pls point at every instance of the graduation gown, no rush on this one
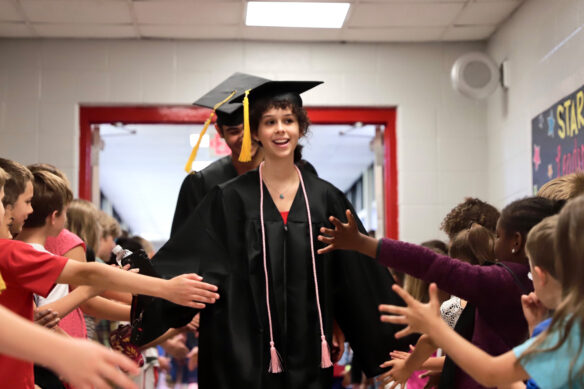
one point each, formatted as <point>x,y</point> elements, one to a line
<point>222,242</point>
<point>196,185</point>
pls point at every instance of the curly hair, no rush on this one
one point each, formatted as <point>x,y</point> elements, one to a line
<point>262,105</point>
<point>471,210</point>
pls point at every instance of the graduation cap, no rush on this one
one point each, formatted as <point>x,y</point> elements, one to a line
<point>218,100</point>
<point>274,91</point>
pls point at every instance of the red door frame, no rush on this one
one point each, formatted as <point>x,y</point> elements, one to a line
<point>89,115</point>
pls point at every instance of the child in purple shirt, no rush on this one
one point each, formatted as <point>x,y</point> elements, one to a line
<point>495,290</point>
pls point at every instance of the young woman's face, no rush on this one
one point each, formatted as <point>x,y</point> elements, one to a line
<point>278,131</point>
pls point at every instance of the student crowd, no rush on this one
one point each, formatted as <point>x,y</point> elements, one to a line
<point>274,266</point>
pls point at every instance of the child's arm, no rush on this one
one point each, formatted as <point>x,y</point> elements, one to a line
<point>80,362</point>
<point>186,289</point>
<point>425,318</point>
<point>402,367</point>
<point>103,308</point>
<point>66,304</point>
<point>346,236</point>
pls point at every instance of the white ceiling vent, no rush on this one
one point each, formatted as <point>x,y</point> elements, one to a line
<point>475,75</point>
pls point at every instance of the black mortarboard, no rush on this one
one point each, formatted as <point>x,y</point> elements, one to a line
<point>218,99</point>
<point>272,90</point>
<point>234,118</point>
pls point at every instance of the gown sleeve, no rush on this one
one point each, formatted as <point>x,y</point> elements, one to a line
<point>197,247</point>
<point>361,285</point>
<point>189,197</point>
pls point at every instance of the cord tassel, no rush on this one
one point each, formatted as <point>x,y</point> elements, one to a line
<point>275,362</point>
<point>325,356</point>
<point>189,165</point>
<point>245,154</point>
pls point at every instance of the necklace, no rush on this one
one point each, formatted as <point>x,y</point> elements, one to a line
<point>281,194</point>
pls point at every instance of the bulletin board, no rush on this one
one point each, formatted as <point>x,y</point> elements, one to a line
<point>558,139</point>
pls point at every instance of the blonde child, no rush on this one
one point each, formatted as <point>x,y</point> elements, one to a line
<point>554,358</point>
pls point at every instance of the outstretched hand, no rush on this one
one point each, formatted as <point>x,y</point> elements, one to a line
<point>345,236</point>
<point>418,317</point>
<point>398,375</point>
<point>86,364</point>
<point>189,290</point>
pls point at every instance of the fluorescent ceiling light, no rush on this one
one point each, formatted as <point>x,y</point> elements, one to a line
<point>193,138</point>
<point>295,14</point>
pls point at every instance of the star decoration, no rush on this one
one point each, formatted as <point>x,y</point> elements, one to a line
<point>550,173</point>
<point>551,125</point>
<point>536,157</point>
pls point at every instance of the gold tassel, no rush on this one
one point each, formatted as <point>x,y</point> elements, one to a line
<point>2,284</point>
<point>245,154</point>
<point>189,165</point>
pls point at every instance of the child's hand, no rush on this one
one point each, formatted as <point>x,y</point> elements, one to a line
<point>46,317</point>
<point>396,354</point>
<point>190,291</point>
<point>418,317</point>
<point>193,359</point>
<point>533,310</point>
<point>399,373</point>
<point>85,364</point>
<point>345,236</point>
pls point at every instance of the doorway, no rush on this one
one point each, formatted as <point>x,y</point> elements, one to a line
<point>353,123</point>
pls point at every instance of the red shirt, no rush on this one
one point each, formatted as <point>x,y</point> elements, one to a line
<point>25,271</point>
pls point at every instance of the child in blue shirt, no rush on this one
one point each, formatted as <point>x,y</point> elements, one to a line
<point>553,358</point>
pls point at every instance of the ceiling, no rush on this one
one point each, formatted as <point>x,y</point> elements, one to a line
<point>367,21</point>
<point>149,160</point>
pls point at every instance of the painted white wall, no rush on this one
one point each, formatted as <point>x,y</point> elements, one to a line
<point>441,135</point>
<point>544,44</point>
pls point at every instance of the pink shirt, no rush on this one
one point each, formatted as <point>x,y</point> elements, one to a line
<point>74,323</point>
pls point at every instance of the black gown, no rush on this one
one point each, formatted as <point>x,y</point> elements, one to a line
<point>196,185</point>
<point>222,242</point>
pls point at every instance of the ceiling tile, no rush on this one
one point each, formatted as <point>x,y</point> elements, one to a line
<point>403,14</point>
<point>194,13</point>
<point>78,11</point>
<point>468,33</point>
<point>189,32</point>
<point>8,12</point>
<point>393,34</point>
<point>15,30</point>
<point>492,12</point>
<point>85,30</point>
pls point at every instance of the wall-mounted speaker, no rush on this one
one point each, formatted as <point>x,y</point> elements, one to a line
<point>475,75</point>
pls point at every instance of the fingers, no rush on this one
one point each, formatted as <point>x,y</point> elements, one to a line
<point>392,309</point>
<point>394,319</point>
<point>399,355</point>
<point>403,294</point>
<point>433,292</point>
<point>122,362</point>
<point>327,231</point>
<point>326,239</point>
<point>350,217</point>
<point>412,348</point>
<point>387,364</point>
<point>336,222</point>
<point>196,305</point>
<point>326,249</point>
<point>193,276</point>
<point>405,332</point>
